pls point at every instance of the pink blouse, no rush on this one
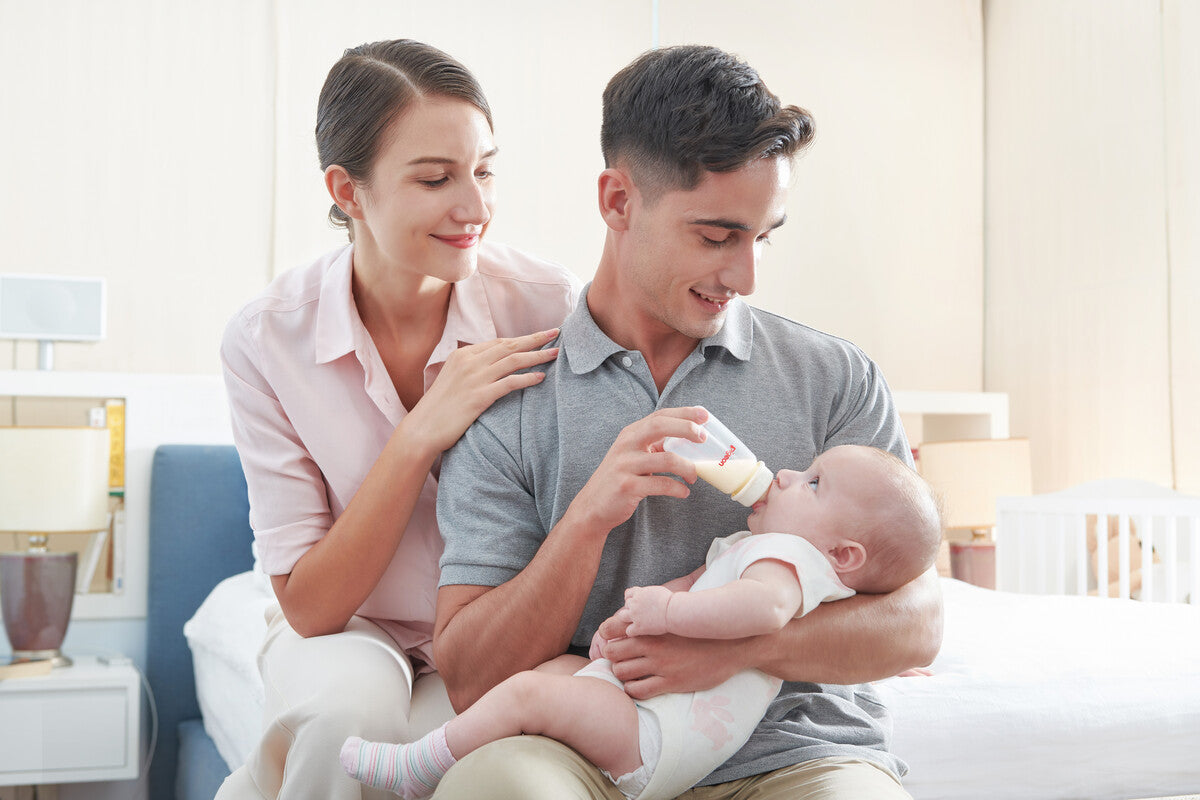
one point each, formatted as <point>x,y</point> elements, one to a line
<point>313,407</point>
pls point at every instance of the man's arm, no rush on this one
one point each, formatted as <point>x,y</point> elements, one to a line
<point>484,634</point>
<point>860,639</point>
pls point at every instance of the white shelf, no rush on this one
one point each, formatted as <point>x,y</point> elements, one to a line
<point>947,416</point>
<point>79,723</point>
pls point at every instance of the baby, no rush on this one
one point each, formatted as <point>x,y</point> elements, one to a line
<point>858,520</point>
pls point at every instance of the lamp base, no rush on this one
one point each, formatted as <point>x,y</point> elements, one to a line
<point>55,657</point>
<point>974,562</point>
<point>36,594</point>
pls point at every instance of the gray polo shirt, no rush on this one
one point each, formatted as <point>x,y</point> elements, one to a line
<point>788,391</point>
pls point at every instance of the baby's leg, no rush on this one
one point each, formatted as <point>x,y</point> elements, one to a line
<point>588,715</point>
<point>565,664</point>
<point>591,716</point>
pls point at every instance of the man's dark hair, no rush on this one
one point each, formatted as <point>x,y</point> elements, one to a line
<point>677,112</point>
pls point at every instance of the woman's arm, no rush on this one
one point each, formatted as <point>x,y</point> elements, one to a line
<point>346,560</point>
<point>337,574</point>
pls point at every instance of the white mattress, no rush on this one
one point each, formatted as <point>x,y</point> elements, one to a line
<point>1032,697</point>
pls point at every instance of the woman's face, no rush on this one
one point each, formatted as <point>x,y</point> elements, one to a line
<point>431,193</point>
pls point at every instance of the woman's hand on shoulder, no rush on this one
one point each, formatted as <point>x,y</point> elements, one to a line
<point>473,378</point>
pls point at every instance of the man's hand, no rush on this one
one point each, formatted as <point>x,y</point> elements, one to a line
<point>633,469</point>
<point>654,665</point>
<point>646,608</point>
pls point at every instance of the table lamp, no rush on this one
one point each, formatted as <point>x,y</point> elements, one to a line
<point>52,480</point>
<point>968,476</point>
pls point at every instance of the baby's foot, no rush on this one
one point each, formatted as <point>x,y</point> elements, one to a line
<point>409,770</point>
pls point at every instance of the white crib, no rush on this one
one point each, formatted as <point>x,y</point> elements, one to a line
<point>1042,542</point>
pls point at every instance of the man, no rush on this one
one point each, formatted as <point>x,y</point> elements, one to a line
<point>559,497</point>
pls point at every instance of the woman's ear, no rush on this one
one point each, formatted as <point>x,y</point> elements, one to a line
<point>614,190</point>
<point>847,555</point>
<point>343,190</point>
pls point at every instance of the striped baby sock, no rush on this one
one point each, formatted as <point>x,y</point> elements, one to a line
<point>410,770</point>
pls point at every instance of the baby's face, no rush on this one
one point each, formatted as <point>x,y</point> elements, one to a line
<point>815,503</point>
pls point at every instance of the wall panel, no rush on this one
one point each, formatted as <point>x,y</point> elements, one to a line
<point>1181,61</point>
<point>883,240</point>
<point>1077,292</point>
<point>138,146</point>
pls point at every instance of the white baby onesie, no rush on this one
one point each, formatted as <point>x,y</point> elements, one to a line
<point>685,736</point>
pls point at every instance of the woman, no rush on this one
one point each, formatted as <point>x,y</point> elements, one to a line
<point>347,379</point>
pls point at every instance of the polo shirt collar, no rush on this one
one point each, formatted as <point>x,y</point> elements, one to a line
<point>587,347</point>
<point>737,334</point>
<point>340,329</point>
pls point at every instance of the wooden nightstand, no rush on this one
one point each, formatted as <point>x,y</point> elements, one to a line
<point>79,723</point>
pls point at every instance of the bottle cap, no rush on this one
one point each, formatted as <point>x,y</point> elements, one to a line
<point>756,487</point>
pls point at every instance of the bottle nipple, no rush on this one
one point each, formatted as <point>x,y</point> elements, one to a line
<point>755,487</point>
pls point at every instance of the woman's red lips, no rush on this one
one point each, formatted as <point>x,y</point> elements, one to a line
<point>463,241</point>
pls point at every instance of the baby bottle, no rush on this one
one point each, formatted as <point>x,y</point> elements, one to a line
<point>722,460</point>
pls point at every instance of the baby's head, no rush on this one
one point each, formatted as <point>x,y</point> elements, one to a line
<point>871,515</point>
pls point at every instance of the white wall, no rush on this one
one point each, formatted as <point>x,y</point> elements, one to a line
<point>1181,96</point>
<point>175,156</point>
<point>1093,268</point>
<point>137,146</point>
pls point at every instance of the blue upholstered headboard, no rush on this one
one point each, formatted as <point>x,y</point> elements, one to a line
<point>199,535</point>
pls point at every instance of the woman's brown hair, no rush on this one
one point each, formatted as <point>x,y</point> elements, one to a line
<point>368,88</point>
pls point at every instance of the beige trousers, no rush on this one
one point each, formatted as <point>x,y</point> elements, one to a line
<point>536,768</point>
<point>321,690</point>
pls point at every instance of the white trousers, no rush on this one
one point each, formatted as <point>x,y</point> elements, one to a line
<point>319,691</point>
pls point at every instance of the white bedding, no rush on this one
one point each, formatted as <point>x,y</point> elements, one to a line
<point>1032,697</point>
<point>224,635</point>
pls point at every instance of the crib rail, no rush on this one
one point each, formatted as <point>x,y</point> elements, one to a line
<point>1042,542</point>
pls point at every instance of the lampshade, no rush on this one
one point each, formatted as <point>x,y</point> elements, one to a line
<point>969,476</point>
<point>53,479</point>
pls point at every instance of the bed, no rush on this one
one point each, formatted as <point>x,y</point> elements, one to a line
<point>1035,696</point>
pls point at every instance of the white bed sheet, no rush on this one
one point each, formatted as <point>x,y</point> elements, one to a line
<point>1032,697</point>
<point>1043,697</point>
<point>224,635</point>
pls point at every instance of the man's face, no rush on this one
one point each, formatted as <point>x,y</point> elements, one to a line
<point>692,251</point>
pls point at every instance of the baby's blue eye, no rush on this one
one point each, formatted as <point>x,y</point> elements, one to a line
<point>813,482</point>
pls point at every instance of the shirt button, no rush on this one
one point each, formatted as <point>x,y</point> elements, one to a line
<point>627,361</point>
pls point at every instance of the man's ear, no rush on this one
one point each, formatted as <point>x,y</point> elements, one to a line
<point>343,190</point>
<point>615,188</point>
<point>847,555</point>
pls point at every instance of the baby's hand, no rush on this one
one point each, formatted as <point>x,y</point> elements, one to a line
<point>647,607</point>
<point>597,648</point>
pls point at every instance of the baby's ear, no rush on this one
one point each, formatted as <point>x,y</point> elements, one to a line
<point>847,555</point>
